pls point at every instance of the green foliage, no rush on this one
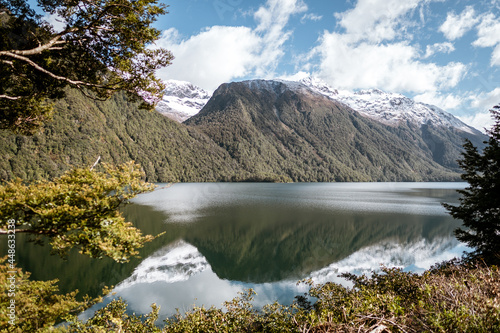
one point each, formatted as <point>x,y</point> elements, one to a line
<point>479,207</point>
<point>452,298</point>
<point>239,315</point>
<point>101,50</point>
<point>38,305</point>
<point>78,209</point>
<point>113,318</point>
<point>118,131</point>
<point>307,137</point>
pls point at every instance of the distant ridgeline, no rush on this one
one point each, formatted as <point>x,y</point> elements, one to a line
<point>248,131</point>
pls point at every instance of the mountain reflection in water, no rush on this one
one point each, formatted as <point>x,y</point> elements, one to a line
<point>224,238</point>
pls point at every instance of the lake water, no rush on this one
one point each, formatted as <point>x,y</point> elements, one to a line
<point>224,238</point>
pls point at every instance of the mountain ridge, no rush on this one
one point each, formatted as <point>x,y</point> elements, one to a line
<point>307,135</point>
<point>387,108</point>
<point>390,108</point>
<point>247,131</point>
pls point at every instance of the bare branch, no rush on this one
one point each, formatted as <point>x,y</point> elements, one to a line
<point>55,76</point>
<point>93,166</point>
<point>12,98</point>
<point>8,62</point>
<point>36,50</point>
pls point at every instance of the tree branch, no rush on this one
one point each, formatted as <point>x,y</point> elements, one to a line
<point>7,62</point>
<point>55,76</point>
<point>12,98</point>
<point>98,159</point>
<point>25,231</point>
<point>36,50</point>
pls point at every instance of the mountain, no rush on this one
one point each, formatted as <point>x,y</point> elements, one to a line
<point>247,131</point>
<point>390,108</point>
<point>118,131</point>
<point>443,133</point>
<point>182,100</point>
<point>290,129</point>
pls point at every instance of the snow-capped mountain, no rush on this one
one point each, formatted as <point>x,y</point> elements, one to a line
<point>389,108</point>
<point>173,263</point>
<point>182,100</point>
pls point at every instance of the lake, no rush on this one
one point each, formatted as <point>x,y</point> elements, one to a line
<point>222,238</point>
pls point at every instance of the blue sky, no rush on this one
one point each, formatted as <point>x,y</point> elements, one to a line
<point>441,52</point>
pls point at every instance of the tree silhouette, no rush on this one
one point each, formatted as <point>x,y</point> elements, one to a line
<point>479,207</point>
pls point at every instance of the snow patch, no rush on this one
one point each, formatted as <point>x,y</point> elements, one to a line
<point>174,263</point>
<point>389,108</point>
<point>182,100</point>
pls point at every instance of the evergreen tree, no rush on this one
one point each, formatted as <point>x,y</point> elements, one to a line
<point>102,49</point>
<point>479,207</point>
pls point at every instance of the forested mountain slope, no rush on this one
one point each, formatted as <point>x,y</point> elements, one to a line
<point>290,130</point>
<point>248,131</point>
<point>116,130</point>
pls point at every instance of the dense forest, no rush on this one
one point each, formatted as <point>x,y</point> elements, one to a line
<point>118,131</point>
<point>242,134</point>
<point>268,126</point>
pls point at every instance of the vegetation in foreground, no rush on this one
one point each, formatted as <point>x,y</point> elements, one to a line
<point>450,297</point>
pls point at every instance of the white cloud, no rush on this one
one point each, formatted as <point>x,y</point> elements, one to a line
<point>480,121</point>
<point>375,20</point>
<point>446,47</point>
<point>393,67</point>
<point>486,101</point>
<point>57,22</point>
<point>310,17</point>
<point>276,13</point>
<point>272,20</point>
<point>447,101</point>
<point>495,56</point>
<point>221,53</point>
<point>482,102</point>
<point>371,53</point>
<point>488,32</point>
<point>456,26</point>
<point>215,55</point>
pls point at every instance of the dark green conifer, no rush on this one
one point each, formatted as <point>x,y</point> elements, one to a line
<point>479,207</point>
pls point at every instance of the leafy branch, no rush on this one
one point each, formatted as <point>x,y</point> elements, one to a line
<point>78,209</point>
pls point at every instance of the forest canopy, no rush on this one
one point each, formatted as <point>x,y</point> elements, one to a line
<point>102,49</point>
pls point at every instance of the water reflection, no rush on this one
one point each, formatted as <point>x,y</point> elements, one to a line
<point>224,238</point>
<point>178,277</point>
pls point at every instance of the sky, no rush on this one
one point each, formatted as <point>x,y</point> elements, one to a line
<point>440,52</point>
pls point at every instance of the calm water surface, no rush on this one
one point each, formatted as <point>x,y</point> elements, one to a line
<point>223,238</point>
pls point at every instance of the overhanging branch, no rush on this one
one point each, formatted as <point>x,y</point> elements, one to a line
<point>54,76</point>
<point>26,231</point>
<point>12,98</point>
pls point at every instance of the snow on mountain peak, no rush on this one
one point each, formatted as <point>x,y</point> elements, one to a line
<point>182,100</point>
<point>388,108</point>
